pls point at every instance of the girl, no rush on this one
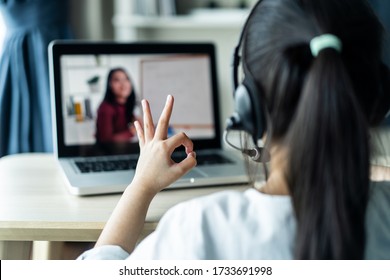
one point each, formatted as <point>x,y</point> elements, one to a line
<point>320,94</point>
<point>115,114</point>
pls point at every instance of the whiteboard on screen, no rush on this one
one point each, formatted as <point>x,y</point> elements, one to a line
<point>188,79</point>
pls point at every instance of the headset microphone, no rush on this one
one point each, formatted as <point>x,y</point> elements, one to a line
<point>256,153</point>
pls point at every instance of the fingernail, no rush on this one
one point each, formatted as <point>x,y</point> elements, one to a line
<point>192,154</point>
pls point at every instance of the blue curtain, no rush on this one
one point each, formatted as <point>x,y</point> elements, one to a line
<point>25,117</point>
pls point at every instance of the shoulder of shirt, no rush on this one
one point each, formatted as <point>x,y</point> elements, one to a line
<point>231,203</point>
<point>380,192</point>
<point>228,200</point>
<point>213,200</point>
<point>380,184</point>
<point>378,221</point>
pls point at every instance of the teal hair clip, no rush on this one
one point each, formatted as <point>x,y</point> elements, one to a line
<point>319,43</point>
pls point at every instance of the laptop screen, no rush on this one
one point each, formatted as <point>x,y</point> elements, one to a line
<point>98,92</point>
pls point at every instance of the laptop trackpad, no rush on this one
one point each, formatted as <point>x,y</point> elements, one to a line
<point>194,173</point>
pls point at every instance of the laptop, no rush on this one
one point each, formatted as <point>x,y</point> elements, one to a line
<point>93,164</point>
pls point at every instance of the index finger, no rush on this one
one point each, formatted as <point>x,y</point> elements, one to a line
<point>148,121</point>
<point>163,122</point>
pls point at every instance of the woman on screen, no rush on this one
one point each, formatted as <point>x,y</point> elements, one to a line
<point>316,68</point>
<point>115,115</point>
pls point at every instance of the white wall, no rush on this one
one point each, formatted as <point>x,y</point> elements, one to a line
<point>224,37</point>
<point>225,41</point>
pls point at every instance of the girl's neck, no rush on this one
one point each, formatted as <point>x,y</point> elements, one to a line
<point>277,183</point>
<point>120,101</point>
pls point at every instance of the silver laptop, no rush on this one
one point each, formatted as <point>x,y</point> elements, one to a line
<point>85,118</point>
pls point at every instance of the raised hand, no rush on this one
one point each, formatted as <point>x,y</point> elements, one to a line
<point>155,169</point>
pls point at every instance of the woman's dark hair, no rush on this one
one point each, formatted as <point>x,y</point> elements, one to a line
<point>110,96</point>
<point>320,108</point>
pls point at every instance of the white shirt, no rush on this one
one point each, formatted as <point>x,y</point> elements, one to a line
<point>242,225</point>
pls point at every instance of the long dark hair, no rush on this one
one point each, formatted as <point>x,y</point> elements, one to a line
<point>110,96</point>
<point>320,108</point>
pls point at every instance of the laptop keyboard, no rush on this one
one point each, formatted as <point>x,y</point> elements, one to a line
<point>105,165</point>
<point>129,164</point>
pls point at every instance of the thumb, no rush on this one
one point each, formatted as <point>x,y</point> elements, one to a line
<point>185,165</point>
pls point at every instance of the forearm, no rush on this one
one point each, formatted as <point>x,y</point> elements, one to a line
<point>155,171</point>
<point>127,221</point>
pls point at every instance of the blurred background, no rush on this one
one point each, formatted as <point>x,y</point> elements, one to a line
<point>218,21</point>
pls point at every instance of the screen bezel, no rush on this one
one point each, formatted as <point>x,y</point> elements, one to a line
<point>60,48</point>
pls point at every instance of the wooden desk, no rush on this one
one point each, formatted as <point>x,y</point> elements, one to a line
<point>35,205</point>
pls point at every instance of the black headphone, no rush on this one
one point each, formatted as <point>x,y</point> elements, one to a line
<point>249,111</point>
<point>249,115</point>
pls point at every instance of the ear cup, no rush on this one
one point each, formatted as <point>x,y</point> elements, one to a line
<point>243,117</point>
<point>249,114</point>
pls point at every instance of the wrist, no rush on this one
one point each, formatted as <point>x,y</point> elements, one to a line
<point>141,190</point>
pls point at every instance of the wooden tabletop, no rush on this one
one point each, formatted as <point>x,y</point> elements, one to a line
<point>36,205</point>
